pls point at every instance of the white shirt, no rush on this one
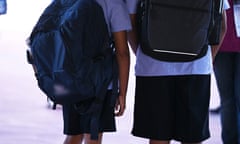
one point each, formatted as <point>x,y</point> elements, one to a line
<point>116,15</point>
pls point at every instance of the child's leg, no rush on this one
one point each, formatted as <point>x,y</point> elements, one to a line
<point>87,139</point>
<point>158,142</point>
<point>76,139</point>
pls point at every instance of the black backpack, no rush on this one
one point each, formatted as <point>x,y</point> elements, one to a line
<point>72,53</point>
<point>174,30</point>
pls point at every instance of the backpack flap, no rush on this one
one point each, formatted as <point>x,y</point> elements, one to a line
<point>60,85</point>
<point>174,30</point>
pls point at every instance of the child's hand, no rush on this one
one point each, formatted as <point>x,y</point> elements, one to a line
<point>120,105</point>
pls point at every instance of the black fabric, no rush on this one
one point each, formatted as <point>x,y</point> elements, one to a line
<point>75,123</point>
<point>172,30</point>
<point>172,108</point>
<point>216,23</point>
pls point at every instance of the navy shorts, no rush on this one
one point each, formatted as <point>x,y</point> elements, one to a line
<point>172,108</point>
<point>75,124</point>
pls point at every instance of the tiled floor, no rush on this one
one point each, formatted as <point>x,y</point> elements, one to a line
<point>25,117</point>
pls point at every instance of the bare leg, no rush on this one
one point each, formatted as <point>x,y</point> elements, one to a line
<point>158,142</point>
<point>87,139</point>
<point>76,139</point>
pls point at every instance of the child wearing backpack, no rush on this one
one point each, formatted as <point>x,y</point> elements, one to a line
<point>76,127</point>
<point>171,98</point>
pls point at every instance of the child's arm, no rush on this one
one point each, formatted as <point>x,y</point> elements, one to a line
<point>123,59</point>
<point>132,35</point>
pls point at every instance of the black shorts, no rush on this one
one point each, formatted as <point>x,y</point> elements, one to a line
<point>75,124</point>
<point>172,108</point>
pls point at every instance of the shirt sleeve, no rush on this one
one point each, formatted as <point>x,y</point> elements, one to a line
<point>118,15</point>
<point>132,6</point>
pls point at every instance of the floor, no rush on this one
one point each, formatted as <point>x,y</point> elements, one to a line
<point>25,115</point>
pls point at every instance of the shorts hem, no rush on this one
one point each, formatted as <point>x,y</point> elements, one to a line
<point>79,133</point>
<point>170,138</point>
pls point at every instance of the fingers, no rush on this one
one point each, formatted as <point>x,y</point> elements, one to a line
<point>119,110</point>
<point>120,106</point>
